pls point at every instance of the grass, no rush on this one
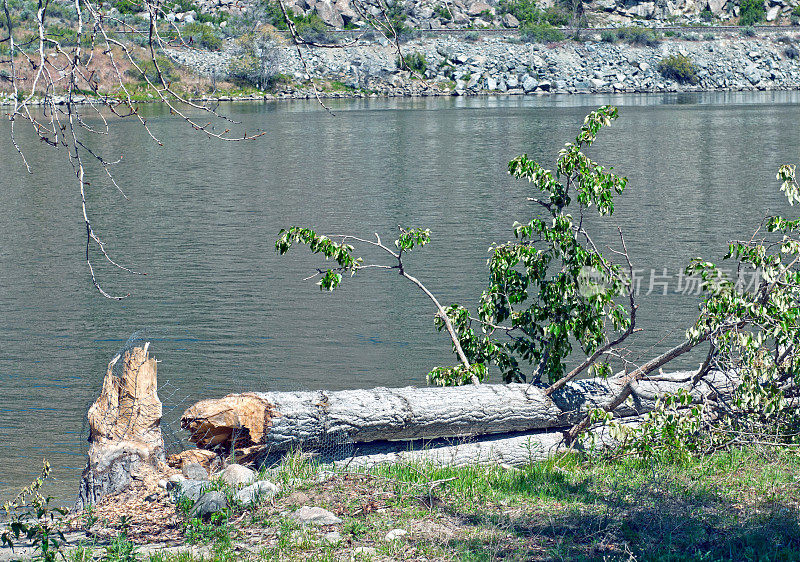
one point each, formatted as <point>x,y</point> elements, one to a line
<point>734,505</point>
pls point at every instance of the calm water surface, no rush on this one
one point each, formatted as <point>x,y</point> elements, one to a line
<point>225,313</point>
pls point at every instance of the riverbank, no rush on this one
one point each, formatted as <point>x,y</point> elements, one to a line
<point>491,64</point>
<point>732,505</point>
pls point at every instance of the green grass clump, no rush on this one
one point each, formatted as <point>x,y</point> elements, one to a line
<point>679,68</point>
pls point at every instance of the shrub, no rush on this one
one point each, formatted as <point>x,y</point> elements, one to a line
<point>638,36</point>
<point>608,36</point>
<point>442,12</point>
<point>556,16</point>
<point>414,62</point>
<point>709,37</point>
<point>706,15</point>
<point>312,28</point>
<point>751,12</point>
<point>669,33</point>
<point>526,11</point>
<point>679,68</point>
<point>791,52</point>
<point>127,6</point>
<point>471,36</point>
<point>203,35</point>
<point>540,33</point>
<point>748,31</point>
<point>148,69</point>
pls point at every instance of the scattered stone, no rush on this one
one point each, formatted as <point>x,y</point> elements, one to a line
<point>314,516</point>
<point>255,493</point>
<point>194,471</point>
<point>334,537</point>
<point>395,534</point>
<point>209,504</point>
<point>237,475</point>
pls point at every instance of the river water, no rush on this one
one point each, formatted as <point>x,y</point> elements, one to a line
<point>225,313</point>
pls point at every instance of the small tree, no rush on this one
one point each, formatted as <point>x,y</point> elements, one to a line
<point>256,60</point>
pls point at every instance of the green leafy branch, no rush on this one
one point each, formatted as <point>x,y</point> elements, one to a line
<point>336,248</point>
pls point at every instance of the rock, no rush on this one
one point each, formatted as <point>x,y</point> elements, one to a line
<point>597,82</point>
<point>773,12</point>
<point>188,18</point>
<point>329,14</point>
<point>255,493</point>
<point>510,21</point>
<point>334,537</point>
<point>194,471</point>
<point>364,551</point>
<point>753,74</point>
<point>491,83</point>
<point>716,6</point>
<point>477,8</point>
<point>237,475</point>
<point>395,534</point>
<point>163,483</point>
<point>460,18</point>
<point>544,86</point>
<point>512,81</point>
<point>209,504</point>
<point>529,84</point>
<point>177,478</point>
<point>192,489</point>
<point>314,516</point>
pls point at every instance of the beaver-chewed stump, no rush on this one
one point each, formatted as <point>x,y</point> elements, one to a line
<point>125,441</point>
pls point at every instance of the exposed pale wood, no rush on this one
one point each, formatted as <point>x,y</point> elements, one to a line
<point>124,429</point>
<point>202,457</point>
<point>277,421</point>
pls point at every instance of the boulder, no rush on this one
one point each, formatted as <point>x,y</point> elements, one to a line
<point>194,471</point>
<point>510,21</point>
<point>717,6</point>
<point>529,84</point>
<point>477,8</point>
<point>314,516</point>
<point>209,504</point>
<point>237,475</point>
<point>255,493</point>
<point>773,13</point>
<point>329,14</point>
<point>192,489</point>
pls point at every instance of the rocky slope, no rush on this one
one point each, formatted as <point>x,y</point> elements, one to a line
<point>459,14</point>
<point>504,65</point>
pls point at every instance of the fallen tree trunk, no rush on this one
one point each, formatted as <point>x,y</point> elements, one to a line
<point>258,424</point>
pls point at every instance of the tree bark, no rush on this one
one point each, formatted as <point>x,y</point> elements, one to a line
<point>125,432</point>
<point>271,422</point>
